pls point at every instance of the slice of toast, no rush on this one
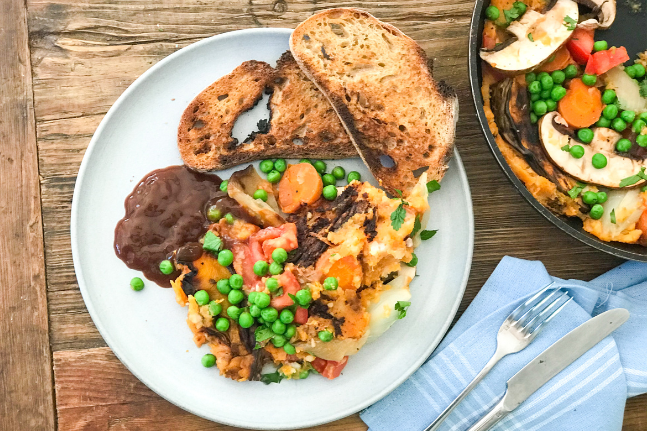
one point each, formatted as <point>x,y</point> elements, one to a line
<point>302,121</point>
<point>400,119</point>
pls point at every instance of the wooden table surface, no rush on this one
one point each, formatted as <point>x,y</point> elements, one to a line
<point>64,64</point>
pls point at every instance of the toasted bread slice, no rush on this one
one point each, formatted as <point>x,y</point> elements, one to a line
<point>302,121</point>
<point>400,119</point>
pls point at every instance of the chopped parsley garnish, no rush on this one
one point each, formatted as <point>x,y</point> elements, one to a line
<point>416,226</point>
<point>274,377</point>
<point>432,186</point>
<point>629,181</point>
<point>643,88</point>
<point>612,216</point>
<point>569,23</point>
<point>398,216</point>
<point>566,148</point>
<point>263,333</point>
<point>427,234</point>
<point>510,14</point>
<point>401,308</point>
<point>212,242</point>
<point>530,38</point>
<point>644,189</point>
<point>294,298</point>
<point>399,192</point>
<point>575,191</point>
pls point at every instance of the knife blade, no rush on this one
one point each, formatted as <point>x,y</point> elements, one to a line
<point>551,362</point>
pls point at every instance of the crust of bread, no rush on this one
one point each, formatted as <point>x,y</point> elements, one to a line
<point>380,83</point>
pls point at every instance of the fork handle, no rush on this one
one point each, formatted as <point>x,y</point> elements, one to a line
<point>450,408</point>
<point>497,413</point>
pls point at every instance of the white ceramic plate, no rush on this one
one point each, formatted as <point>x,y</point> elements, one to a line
<point>147,329</point>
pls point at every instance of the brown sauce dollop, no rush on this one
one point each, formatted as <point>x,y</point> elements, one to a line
<point>165,211</point>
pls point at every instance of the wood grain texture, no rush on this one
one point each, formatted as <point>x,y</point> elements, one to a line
<point>86,54</point>
<point>25,361</point>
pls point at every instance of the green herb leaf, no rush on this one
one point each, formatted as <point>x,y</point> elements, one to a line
<point>530,38</point>
<point>630,181</point>
<point>432,186</point>
<point>569,23</point>
<point>575,191</point>
<point>427,234</point>
<point>416,226</point>
<point>274,377</point>
<point>263,333</point>
<point>279,292</point>
<point>510,14</point>
<point>643,88</point>
<point>399,192</point>
<point>414,260</point>
<point>212,242</point>
<point>294,298</point>
<point>398,216</point>
<point>612,216</point>
<point>644,189</point>
<point>566,147</point>
<point>401,308</point>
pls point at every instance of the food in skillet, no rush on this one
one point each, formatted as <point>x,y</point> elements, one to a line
<point>298,270</point>
<point>569,113</point>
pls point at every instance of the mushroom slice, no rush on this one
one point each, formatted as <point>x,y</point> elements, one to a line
<point>602,15</point>
<point>548,32</point>
<point>242,186</point>
<point>553,132</point>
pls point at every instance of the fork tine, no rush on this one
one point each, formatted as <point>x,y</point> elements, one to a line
<point>530,303</point>
<point>532,327</point>
<point>538,308</point>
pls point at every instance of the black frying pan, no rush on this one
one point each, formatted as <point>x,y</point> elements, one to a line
<point>628,30</point>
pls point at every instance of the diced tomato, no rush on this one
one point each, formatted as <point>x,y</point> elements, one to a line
<point>580,45</point>
<point>244,265</point>
<point>329,369</point>
<point>488,42</point>
<point>301,316</point>
<point>603,61</point>
<point>290,285</point>
<point>271,238</point>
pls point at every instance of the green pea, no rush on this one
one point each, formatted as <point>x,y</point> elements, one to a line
<point>328,180</point>
<point>262,300</point>
<point>639,69</point>
<point>329,192</point>
<point>577,151</point>
<point>331,283</point>
<point>535,97</point>
<point>225,257</point>
<point>222,324</point>
<point>551,105</point>
<point>245,320</point>
<point>278,327</point>
<point>269,314</point>
<point>260,268</point>
<point>602,197</point>
<point>492,13</point>
<point>599,161</point>
<point>618,125</point>
<point>279,341</point>
<point>236,281</point>
<point>353,176</point>
<point>274,177</point>
<point>585,135</point>
<point>603,122</point>
<point>276,268</point>
<point>600,45</point>
<point>520,6</point>
<point>251,298</point>
<point>201,297</point>
<point>290,331</point>
<point>628,116</point>
<point>641,140</point>
<point>339,172</point>
<point>608,97</point>
<point>533,118</point>
<point>534,87</point>
<point>546,82</point>
<point>596,211</point>
<point>643,116</point>
<point>223,186</point>
<point>623,145</point>
<point>254,310</point>
<point>629,70</point>
<point>320,166</point>
<point>223,286</point>
<point>305,161</point>
<point>215,308</point>
<point>540,108</point>
<point>289,349</point>
<point>260,321</point>
<point>266,166</point>
<point>166,267</point>
<point>530,76</point>
<point>558,76</point>
<point>610,112</point>
<point>590,198</point>
<point>325,336</point>
<point>540,75</point>
<point>413,261</point>
<point>230,218</point>
<point>286,316</point>
<point>304,374</point>
<point>260,194</point>
<point>557,93</point>
<point>280,165</point>
<point>137,284</point>
<point>236,296</point>
<point>570,71</point>
<point>303,297</point>
<point>589,80</point>
<point>545,94</point>
<point>234,312</point>
<point>638,125</point>
<point>272,284</point>
<point>208,360</point>
<point>213,213</point>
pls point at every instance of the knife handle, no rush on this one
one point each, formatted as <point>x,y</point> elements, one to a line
<point>497,413</point>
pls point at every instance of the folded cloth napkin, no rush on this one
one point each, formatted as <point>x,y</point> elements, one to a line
<point>589,395</point>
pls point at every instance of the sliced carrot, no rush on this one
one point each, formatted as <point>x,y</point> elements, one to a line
<point>301,184</point>
<point>642,225</point>
<point>348,272</point>
<point>559,61</point>
<point>581,106</point>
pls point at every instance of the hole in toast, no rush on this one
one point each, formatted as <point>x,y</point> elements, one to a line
<point>420,171</point>
<point>323,52</point>
<point>338,29</point>
<point>199,124</point>
<point>425,155</point>
<point>402,128</point>
<point>387,161</point>
<point>297,141</point>
<point>195,108</point>
<point>253,121</point>
<point>222,97</point>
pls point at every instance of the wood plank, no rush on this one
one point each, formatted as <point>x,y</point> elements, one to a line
<point>25,361</point>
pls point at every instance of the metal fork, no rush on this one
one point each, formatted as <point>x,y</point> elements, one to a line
<point>516,332</point>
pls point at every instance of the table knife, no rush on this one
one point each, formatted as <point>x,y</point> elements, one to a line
<point>549,363</point>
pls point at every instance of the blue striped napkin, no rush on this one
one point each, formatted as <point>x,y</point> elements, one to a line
<point>588,395</point>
